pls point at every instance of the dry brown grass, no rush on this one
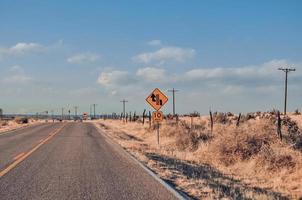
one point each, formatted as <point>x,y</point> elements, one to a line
<point>248,161</point>
<point>8,125</point>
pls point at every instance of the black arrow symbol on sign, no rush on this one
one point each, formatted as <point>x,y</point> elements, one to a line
<point>153,97</point>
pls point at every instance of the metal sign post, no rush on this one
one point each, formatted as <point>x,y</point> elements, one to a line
<point>158,133</point>
<point>157,116</point>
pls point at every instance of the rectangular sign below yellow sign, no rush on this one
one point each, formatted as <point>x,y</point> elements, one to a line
<point>157,116</point>
<point>157,99</point>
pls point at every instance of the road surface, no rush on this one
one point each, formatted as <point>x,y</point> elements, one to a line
<point>73,162</point>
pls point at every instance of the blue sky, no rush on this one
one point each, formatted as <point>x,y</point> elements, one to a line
<point>219,54</point>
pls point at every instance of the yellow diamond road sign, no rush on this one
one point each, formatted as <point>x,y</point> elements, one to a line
<point>157,99</point>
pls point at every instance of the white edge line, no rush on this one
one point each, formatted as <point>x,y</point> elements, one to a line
<point>176,193</point>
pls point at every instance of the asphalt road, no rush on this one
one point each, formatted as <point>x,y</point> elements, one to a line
<point>15,143</point>
<point>77,163</point>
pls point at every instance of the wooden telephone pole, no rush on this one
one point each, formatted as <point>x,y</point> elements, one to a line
<point>173,93</point>
<point>286,70</point>
<point>124,106</point>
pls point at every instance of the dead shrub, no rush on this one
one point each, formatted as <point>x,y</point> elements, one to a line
<point>284,161</point>
<point>298,143</point>
<point>243,148</point>
<point>221,118</point>
<point>229,114</point>
<point>170,132</point>
<point>294,133</point>
<point>186,139</point>
<point>195,114</point>
<point>248,116</point>
<point>297,112</point>
<point>276,162</point>
<point>249,147</point>
<point>3,123</point>
<point>243,143</point>
<point>21,120</point>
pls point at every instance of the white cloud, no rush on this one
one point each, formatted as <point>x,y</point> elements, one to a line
<point>166,54</point>
<point>151,74</point>
<point>16,68</point>
<point>2,53</point>
<point>21,48</point>
<point>16,76</point>
<point>226,87</point>
<point>86,91</point>
<point>232,89</point>
<point>17,79</point>
<point>113,92</point>
<point>83,58</point>
<point>154,43</point>
<point>266,71</point>
<point>114,78</point>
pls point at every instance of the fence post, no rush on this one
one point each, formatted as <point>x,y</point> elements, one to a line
<point>134,116</point>
<point>279,125</point>
<point>212,123</point>
<point>126,117</point>
<point>238,120</point>
<point>150,119</point>
<point>144,116</point>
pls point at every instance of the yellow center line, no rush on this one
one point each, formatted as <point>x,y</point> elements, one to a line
<point>25,155</point>
<point>18,156</point>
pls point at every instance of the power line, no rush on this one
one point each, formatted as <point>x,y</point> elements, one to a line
<point>286,70</point>
<point>173,92</point>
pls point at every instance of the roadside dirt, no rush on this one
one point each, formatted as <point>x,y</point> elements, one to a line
<point>198,169</point>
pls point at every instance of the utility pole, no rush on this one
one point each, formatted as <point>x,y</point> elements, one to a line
<point>76,111</point>
<point>62,114</point>
<point>94,110</point>
<point>173,93</point>
<point>52,117</point>
<point>124,106</point>
<point>90,110</point>
<point>286,70</point>
<point>46,115</point>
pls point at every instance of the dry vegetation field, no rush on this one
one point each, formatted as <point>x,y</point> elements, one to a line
<point>19,122</point>
<point>248,161</point>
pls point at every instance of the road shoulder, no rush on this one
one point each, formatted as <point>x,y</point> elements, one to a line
<point>177,193</point>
